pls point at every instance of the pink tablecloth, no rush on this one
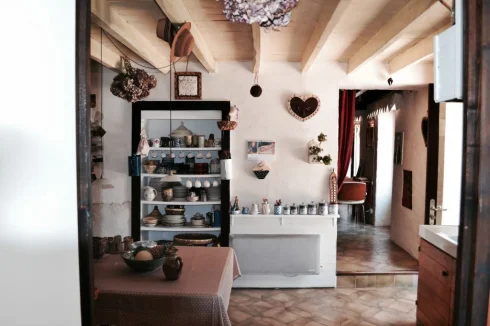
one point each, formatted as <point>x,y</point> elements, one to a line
<point>199,297</point>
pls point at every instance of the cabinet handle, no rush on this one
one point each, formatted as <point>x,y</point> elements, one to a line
<point>445,273</point>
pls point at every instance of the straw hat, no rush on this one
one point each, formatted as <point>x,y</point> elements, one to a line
<point>183,42</point>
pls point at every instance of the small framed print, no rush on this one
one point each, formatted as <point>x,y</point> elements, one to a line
<point>188,86</point>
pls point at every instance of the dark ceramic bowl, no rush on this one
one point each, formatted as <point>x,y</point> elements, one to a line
<point>141,266</point>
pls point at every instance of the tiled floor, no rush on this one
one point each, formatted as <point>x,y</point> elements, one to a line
<point>368,249</point>
<point>317,307</point>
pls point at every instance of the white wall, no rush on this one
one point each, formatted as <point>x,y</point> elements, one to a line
<point>384,167</point>
<point>453,163</point>
<point>292,179</point>
<point>405,222</point>
<point>38,229</point>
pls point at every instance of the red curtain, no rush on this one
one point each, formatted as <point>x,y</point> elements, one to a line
<point>347,111</point>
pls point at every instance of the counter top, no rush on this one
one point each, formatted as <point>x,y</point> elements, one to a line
<point>444,237</point>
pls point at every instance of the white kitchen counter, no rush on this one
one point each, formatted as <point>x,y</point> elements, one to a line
<point>444,237</point>
<point>285,251</point>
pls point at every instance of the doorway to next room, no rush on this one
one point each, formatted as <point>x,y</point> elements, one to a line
<point>383,199</point>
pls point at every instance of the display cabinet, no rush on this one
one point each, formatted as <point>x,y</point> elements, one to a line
<point>190,163</point>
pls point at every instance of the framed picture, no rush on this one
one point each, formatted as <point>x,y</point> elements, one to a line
<point>398,156</point>
<point>407,189</point>
<point>188,86</point>
<point>370,137</point>
<point>262,150</point>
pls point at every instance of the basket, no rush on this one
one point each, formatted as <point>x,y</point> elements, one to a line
<point>227,125</point>
<point>261,174</point>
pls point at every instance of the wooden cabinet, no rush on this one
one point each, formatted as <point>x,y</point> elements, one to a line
<point>435,294</point>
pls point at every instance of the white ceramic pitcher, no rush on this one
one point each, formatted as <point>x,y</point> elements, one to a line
<point>149,193</point>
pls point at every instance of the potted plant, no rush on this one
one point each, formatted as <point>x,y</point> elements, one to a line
<point>316,149</point>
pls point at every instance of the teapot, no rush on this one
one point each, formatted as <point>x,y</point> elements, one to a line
<point>149,193</point>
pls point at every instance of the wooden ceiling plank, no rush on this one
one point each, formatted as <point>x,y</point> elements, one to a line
<point>390,32</point>
<point>327,20</point>
<point>115,25</point>
<point>177,12</point>
<point>110,59</point>
<point>257,34</point>
<point>417,53</point>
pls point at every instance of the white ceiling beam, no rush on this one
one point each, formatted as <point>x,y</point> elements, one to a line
<point>420,51</point>
<point>115,25</point>
<point>390,32</point>
<point>257,34</point>
<point>176,11</point>
<point>326,22</point>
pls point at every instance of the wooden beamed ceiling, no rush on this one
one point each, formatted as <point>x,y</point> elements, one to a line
<point>395,32</point>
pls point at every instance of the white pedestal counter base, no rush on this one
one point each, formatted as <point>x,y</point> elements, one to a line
<point>285,251</point>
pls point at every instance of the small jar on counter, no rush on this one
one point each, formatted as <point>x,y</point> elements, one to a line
<point>294,209</point>
<point>303,210</point>
<point>323,208</point>
<point>311,208</point>
<point>285,210</point>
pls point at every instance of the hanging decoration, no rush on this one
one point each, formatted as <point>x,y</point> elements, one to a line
<point>133,84</point>
<point>256,90</point>
<point>267,13</point>
<point>303,108</point>
<point>314,150</point>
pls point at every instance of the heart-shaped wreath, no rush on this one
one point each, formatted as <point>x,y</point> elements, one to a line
<point>302,107</point>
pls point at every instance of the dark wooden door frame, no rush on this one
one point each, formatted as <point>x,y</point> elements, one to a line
<point>473,267</point>
<point>82,66</point>
<point>432,153</point>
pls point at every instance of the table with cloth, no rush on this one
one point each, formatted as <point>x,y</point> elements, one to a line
<point>199,297</point>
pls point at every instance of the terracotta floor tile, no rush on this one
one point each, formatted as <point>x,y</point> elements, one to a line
<point>273,322</point>
<point>385,306</point>
<point>273,311</point>
<point>237,316</point>
<point>365,248</point>
<point>301,322</point>
<point>286,317</point>
<point>313,323</point>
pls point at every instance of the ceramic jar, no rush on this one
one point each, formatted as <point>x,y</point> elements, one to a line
<point>149,193</point>
<point>311,208</point>
<point>266,210</point>
<point>323,208</point>
<point>285,210</point>
<point>333,209</point>
<point>172,264</point>
<point>302,210</point>
<point>277,209</point>
<point>214,166</point>
<point>294,209</point>
<point>167,194</point>
<point>255,209</point>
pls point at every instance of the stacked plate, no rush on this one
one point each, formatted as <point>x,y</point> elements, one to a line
<point>180,193</point>
<point>214,193</point>
<point>173,220</point>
